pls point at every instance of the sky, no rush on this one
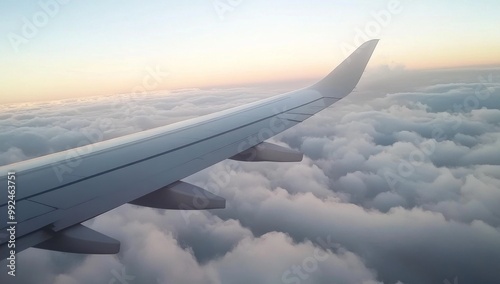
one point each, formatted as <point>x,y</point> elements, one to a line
<point>400,182</point>
<point>63,49</point>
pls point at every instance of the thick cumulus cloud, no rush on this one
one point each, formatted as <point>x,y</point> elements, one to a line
<point>31,130</point>
<point>400,184</point>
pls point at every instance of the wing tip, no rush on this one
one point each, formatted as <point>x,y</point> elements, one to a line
<point>342,80</point>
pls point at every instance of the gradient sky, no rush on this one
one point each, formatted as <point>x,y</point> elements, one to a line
<point>106,47</point>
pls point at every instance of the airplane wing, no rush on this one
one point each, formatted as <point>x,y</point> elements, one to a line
<point>50,196</point>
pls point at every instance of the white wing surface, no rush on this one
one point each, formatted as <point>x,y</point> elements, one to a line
<point>54,195</point>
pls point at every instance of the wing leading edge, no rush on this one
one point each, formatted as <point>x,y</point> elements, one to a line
<point>143,167</point>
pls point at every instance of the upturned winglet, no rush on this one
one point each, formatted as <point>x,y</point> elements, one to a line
<point>342,80</point>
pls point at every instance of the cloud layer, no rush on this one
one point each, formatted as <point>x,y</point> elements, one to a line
<point>398,184</point>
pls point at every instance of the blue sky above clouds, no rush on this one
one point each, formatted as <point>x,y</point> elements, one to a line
<point>67,49</point>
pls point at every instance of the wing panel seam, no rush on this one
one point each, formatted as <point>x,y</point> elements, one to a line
<point>163,153</point>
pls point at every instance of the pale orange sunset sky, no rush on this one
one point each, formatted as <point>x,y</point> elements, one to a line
<point>69,49</point>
